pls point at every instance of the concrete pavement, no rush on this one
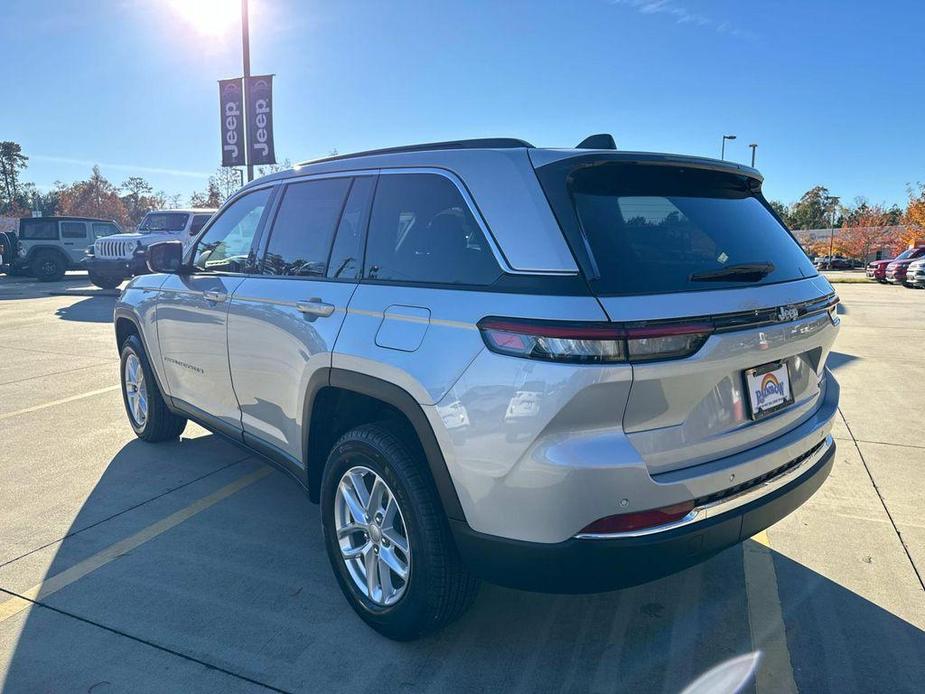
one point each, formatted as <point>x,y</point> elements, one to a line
<point>149,588</point>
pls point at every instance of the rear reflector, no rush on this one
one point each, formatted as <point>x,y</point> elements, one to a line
<point>592,343</point>
<point>638,521</point>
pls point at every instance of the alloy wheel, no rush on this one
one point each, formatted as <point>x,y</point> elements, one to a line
<point>372,536</point>
<point>136,390</point>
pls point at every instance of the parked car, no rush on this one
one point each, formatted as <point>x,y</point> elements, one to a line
<point>113,259</point>
<point>8,248</point>
<point>835,263</point>
<point>654,335</point>
<point>50,246</point>
<point>915,274</point>
<point>876,270</point>
<point>896,269</point>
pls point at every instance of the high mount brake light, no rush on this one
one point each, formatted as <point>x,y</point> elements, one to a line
<point>592,343</point>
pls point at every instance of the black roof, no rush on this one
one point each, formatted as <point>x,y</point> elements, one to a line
<point>69,217</point>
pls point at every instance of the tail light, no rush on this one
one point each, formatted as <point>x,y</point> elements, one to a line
<point>639,520</point>
<point>592,343</point>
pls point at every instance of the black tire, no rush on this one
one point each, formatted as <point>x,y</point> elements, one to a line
<point>104,281</point>
<point>439,589</point>
<point>48,266</point>
<point>160,424</point>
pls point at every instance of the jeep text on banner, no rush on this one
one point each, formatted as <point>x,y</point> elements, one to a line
<point>231,100</point>
<point>260,120</point>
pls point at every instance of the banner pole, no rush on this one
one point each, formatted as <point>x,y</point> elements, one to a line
<point>246,45</point>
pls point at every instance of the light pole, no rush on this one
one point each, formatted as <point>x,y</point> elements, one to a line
<point>722,154</point>
<point>833,201</point>
<point>246,46</point>
<point>754,147</point>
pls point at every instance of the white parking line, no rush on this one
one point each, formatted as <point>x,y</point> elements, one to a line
<point>35,408</point>
<point>765,618</point>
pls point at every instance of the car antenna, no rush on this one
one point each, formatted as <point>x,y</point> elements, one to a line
<point>599,141</point>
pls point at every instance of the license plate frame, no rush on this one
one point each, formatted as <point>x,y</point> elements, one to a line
<point>754,379</point>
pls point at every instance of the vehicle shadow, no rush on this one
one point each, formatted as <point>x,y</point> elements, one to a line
<point>21,287</point>
<point>836,360</point>
<point>94,309</point>
<point>244,587</point>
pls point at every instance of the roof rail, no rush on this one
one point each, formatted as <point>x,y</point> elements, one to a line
<point>479,143</point>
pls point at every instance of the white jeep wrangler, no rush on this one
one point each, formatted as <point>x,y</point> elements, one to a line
<point>113,259</point>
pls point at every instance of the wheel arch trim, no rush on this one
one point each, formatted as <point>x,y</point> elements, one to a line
<point>403,402</point>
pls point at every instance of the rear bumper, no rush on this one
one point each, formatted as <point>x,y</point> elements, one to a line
<point>593,565</point>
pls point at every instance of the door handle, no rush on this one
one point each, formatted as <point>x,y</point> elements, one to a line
<point>315,307</point>
<point>217,297</point>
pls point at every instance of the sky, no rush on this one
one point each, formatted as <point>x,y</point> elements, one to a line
<point>832,91</point>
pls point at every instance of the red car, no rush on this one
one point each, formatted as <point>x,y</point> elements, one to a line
<point>877,269</point>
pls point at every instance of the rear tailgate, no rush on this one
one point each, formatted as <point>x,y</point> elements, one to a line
<point>688,411</point>
<point>677,246</point>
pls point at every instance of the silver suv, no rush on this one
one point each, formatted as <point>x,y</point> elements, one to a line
<point>554,369</point>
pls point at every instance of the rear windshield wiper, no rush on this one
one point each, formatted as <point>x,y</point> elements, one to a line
<point>744,272</point>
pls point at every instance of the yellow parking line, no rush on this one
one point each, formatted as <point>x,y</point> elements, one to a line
<point>58,402</point>
<point>55,583</point>
<point>765,618</point>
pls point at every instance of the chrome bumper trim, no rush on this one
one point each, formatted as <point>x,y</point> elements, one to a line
<point>711,510</point>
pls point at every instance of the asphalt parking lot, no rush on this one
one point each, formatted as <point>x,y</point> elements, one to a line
<point>192,566</point>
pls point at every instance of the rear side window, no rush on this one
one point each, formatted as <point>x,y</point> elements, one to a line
<point>347,254</point>
<point>38,230</point>
<point>655,229</point>
<point>301,237</point>
<point>421,230</point>
<point>73,230</point>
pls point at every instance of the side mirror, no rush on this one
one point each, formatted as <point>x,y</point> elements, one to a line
<point>166,256</point>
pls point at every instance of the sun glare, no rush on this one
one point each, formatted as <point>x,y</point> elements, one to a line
<point>208,17</point>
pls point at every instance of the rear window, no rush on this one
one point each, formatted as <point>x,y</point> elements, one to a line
<point>38,229</point>
<point>657,229</point>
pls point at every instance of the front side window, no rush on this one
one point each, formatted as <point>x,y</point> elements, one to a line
<point>227,243</point>
<point>163,221</point>
<point>301,236</point>
<point>73,230</point>
<point>421,230</point>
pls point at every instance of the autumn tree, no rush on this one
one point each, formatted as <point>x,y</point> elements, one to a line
<point>139,199</point>
<point>814,210</point>
<point>211,197</point>
<point>12,162</point>
<point>914,216</point>
<point>94,197</point>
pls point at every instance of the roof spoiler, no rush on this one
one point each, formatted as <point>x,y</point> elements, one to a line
<point>599,141</point>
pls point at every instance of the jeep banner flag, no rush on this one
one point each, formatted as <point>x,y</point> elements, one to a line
<point>259,101</point>
<point>231,101</point>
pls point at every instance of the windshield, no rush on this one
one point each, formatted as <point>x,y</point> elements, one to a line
<point>653,229</point>
<point>163,221</point>
<point>909,253</point>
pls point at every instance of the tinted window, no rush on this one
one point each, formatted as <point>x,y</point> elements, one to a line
<point>301,237</point>
<point>163,221</point>
<point>227,243</point>
<point>199,221</point>
<point>38,229</point>
<point>663,229</point>
<point>421,230</point>
<point>100,230</point>
<point>347,254</point>
<point>73,230</point>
